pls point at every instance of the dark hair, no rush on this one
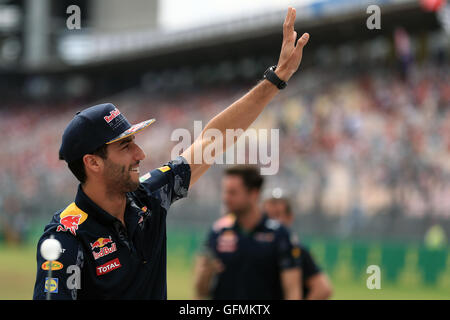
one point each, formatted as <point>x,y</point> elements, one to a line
<point>77,166</point>
<point>249,174</point>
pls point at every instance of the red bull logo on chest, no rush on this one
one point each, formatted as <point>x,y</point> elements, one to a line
<point>102,247</point>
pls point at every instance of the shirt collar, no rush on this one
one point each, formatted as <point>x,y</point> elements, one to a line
<point>258,226</point>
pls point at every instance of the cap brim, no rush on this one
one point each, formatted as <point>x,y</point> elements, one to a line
<point>133,130</point>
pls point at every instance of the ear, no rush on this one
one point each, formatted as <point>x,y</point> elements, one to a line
<point>93,163</point>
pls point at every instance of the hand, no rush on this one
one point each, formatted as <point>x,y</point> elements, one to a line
<point>291,54</point>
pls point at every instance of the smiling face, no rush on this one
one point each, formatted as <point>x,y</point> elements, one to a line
<point>120,170</point>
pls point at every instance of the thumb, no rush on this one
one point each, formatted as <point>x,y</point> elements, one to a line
<point>302,42</point>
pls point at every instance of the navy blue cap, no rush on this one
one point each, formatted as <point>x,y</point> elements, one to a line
<point>94,127</point>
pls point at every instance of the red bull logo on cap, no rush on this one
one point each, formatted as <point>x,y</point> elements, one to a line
<point>71,218</point>
<point>114,113</point>
<point>105,246</point>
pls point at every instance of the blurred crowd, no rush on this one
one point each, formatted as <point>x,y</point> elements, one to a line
<point>370,143</point>
<point>352,143</point>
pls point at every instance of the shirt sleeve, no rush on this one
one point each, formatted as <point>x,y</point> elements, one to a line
<point>288,254</point>
<point>207,248</point>
<point>169,182</point>
<point>66,271</point>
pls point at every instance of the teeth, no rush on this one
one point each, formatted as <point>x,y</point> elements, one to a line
<point>135,170</point>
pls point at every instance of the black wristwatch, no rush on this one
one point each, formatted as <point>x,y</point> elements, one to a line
<point>272,77</point>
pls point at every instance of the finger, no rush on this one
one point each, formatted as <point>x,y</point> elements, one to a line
<point>294,36</point>
<point>288,25</point>
<point>288,16</point>
<point>301,43</point>
<point>285,23</point>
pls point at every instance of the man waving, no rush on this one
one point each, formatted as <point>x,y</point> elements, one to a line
<point>113,235</point>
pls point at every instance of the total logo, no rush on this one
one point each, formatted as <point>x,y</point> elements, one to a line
<point>105,246</point>
<point>108,267</point>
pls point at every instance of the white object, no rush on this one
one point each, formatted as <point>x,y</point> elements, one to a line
<point>277,193</point>
<point>51,249</point>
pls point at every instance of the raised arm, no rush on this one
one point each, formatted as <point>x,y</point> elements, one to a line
<point>242,113</point>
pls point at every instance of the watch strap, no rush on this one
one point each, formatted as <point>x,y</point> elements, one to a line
<point>272,77</point>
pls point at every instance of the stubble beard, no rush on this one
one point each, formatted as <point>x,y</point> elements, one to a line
<point>118,179</point>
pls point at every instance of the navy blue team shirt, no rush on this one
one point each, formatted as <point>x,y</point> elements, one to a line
<point>252,261</point>
<point>113,261</point>
<point>308,266</point>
